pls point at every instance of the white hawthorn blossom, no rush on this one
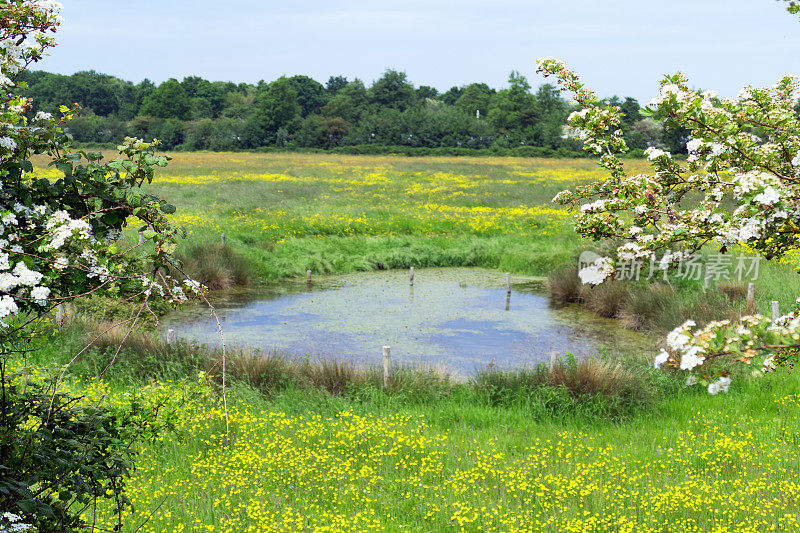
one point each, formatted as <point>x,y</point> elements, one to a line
<point>768,197</point>
<point>43,248</point>
<point>40,295</point>
<point>655,153</point>
<point>721,385</point>
<point>597,272</point>
<point>744,191</point>
<point>661,358</point>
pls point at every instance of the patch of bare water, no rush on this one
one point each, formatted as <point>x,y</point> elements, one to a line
<point>460,319</point>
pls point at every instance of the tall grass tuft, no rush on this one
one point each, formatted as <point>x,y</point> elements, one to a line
<point>596,388</point>
<point>598,376</point>
<point>734,291</point>
<point>655,306</point>
<point>215,266</point>
<point>564,286</point>
<point>606,299</point>
<point>266,373</point>
<point>334,376</point>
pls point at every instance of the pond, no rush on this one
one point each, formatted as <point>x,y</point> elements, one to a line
<point>459,319</point>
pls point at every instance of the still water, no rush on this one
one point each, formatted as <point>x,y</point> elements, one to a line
<point>459,319</point>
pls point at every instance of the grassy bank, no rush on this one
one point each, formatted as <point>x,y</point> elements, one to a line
<point>658,306</point>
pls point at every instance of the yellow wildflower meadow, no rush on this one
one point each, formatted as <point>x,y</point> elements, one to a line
<point>279,196</point>
<point>360,472</point>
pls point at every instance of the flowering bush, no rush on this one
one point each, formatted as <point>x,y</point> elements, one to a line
<point>59,239</point>
<point>743,150</point>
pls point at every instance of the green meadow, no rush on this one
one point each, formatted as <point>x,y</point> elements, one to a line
<point>609,444</point>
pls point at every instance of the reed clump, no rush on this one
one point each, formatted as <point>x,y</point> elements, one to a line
<point>215,266</point>
<point>652,305</point>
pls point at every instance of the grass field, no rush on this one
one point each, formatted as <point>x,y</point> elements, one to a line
<point>292,212</point>
<point>455,459</point>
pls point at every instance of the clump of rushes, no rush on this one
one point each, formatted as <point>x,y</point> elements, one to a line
<point>564,286</point>
<point>597,388</point>
<point>215,266</point>
<point>606,300</point>
<point>652,306</point>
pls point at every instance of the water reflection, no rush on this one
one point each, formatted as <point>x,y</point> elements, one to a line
<point>458,318</point>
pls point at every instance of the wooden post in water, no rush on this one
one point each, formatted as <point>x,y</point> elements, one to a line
<point>508,282</point>
<point>223,240</point>
<point>170,336</point>
<point>411,279</point>
<point>775,312</point>
<point>60,315</point>
<point>508,301</point>
<point>387,367</point>
<point>308,277</point>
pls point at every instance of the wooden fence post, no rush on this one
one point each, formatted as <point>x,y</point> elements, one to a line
<point>223,240</point>
<point>411,279</point>
<point>387,367</point>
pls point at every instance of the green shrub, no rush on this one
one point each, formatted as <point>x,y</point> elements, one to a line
<point>58,458</point>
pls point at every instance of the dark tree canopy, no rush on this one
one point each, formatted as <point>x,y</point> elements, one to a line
<point>424,92</point>
<point>392,90</point>
<point>475,97</point>
<point>278,105</point>
<point>168,100</point>
<point>298,111</point>
<point>335,84</point>
<point>311,95</point>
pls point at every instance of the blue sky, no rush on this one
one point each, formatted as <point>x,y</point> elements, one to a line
<point>618,46</point>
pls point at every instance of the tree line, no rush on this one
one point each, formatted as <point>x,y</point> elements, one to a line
<point>300,112</point>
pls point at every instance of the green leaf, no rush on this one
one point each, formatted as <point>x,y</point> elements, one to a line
<point>169,247</point>
<point>27,506</point>
<point>66,168</point>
